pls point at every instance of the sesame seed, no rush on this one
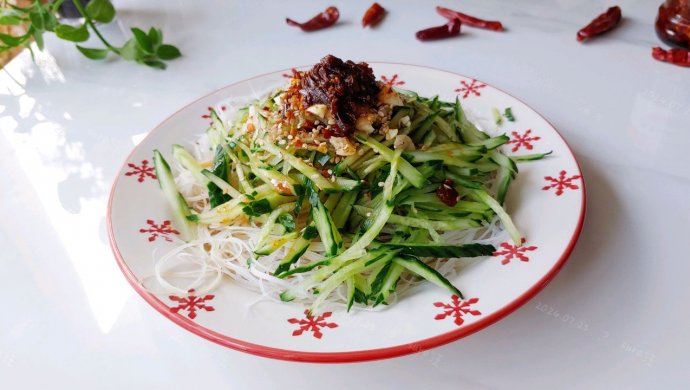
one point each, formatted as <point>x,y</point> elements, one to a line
<point>369,214</point>
<point>381,184</point>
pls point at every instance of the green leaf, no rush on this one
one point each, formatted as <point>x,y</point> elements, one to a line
<point>94,54</point>
<point>101,10</point>
<point>37,20</point>
<point>38,37</point>
<point>168,52</point>
<point>10,17</point>
<point>72,34</point>
<point>142,39</point>
<point>20,9</point>
<point>156,36</point>
<point>130,50</point>
<point>50,21</point>
<point>10,40</point>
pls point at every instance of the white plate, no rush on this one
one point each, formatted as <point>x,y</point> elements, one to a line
<point>547,202</point>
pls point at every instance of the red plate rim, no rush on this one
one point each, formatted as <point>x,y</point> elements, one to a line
<point>352,356</point>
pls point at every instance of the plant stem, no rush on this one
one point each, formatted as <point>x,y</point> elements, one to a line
<point>90,22</point>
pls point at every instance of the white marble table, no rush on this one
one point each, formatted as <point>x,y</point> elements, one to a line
<point>70,320</point>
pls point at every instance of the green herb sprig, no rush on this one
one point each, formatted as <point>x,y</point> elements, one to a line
<point>145,48</point>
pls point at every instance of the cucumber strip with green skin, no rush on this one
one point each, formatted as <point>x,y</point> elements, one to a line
<point>299,246</point>
<point>429,138</point>
<point>367,155</point>
<point>361,284</point>
<point>178,205</point>
<point>328,268</point>
<point>350,284</point>
<point>270,222</point>
<point>504,161</point>
<point>343,184</point>
<point>307,170</point>
<point>405,111</point>
<point>467,129</point>
<point>274,245</point>
<point>395,219</point>
<point>217,132</point>
<point>498,119</point>
<point>416,156</point>
<point>531,157</point>
<point>330,237</point>
<point>227,212</point>
<point>420,268</point>
<point>343,209</point>
<point>332,201</point>
<point>458,149</point>
<point>424,127</point>
<point>502,181</point>
<point>492,143</point>
<point>357,247</point>
<point>373,165</point>
<point>222,184</point>
<point>445,128</point>
<point>441,250</point>
<point>330,284</point>
<point>282,183</point>
<point>379,279</point>
<point>406,169</point>
<point>286,295</point>
<point>513,232</point>
<point>241,178</point>
<point>463,182</point>
<point>389,283</point>
<point>464,171</point>
<point>460,206</point>
<point>349,161</point>
<point>424,213</point>
<point>189,163</point>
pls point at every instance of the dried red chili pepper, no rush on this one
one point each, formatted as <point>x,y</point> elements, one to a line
<point>450,29</point>
<point>603,23</point>
<point>447,194</point>
<point>373,15</point>
<point>680,57</point>
<point>470,20</point>
<point>325,19</point>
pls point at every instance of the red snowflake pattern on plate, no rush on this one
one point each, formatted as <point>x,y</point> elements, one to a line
<point>457,308</point>
<point>520,140</point>
<point>142,171</point>
<point>312,324</point>
<point>561,182</point>
<point>210,109</point>
<point>191,303</point>
<point>163,230</point>
<point>472,87</point>
<point>510,252</point>
<point>393,81</point>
